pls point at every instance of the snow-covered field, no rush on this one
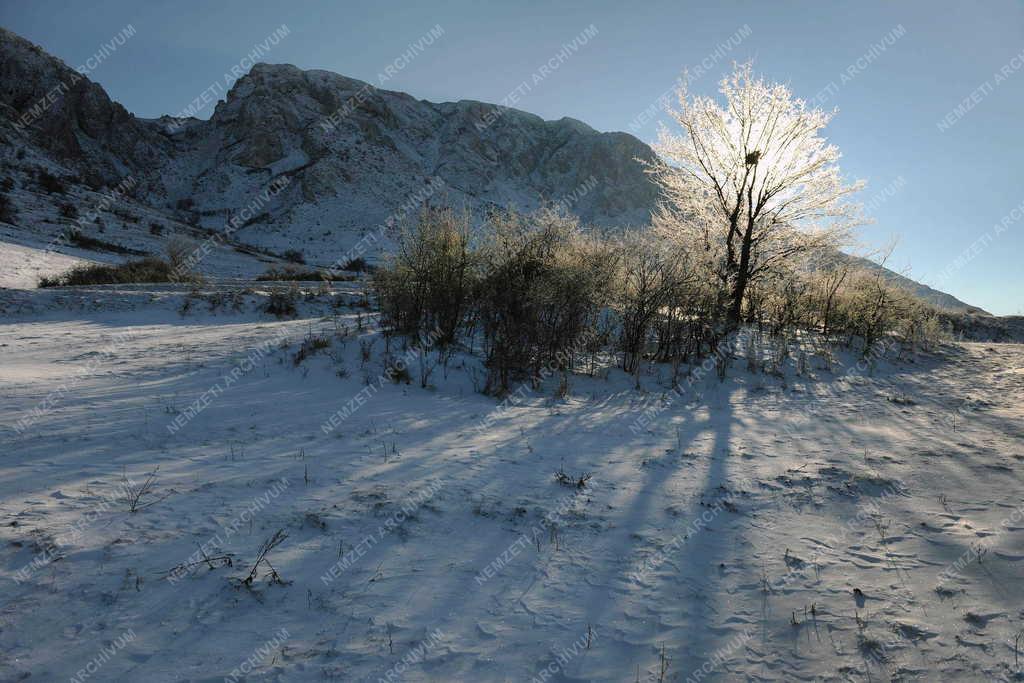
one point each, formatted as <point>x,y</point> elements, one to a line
<point>857,524</point>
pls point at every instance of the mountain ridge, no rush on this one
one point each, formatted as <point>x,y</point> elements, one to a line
<point>354,154</point>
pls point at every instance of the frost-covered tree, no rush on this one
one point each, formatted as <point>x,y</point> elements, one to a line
<point>750,182</point>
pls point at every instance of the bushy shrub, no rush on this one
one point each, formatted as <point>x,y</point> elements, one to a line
<point>540,289</point>
<point>299,275</point>
<point>849,303</point>
<point>425,292</point>
<point>921,328</point>
<point>650,278</point>
<point>141,270</point>
<point>310,346</point>
<point>294,255</point>
<point>781,302</point>
<point>357,265</point>
<point>281,302</point>
<point>533,285</point>
<point>69,210</point>
<point>182,255</point>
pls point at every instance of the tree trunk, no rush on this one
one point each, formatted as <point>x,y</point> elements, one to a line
<point>739,287</point>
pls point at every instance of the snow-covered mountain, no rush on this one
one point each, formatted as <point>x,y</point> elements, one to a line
<point>315,161</point>
<point>354,154</point>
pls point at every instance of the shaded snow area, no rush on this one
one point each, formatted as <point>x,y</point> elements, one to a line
<point>301,517</point>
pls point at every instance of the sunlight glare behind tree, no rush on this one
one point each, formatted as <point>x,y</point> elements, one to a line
<point>752,185</point>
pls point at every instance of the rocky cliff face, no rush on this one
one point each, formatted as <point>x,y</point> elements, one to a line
<point>49,105</point>
<point>354,154</point>
<point>357,153</point>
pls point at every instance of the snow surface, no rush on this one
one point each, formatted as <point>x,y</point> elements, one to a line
<point>764,528</point>
<point>21,266</point>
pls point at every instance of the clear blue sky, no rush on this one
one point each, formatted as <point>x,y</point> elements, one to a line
<point>948,188</point>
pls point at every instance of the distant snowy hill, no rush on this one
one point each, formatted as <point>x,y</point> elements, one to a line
<point>311,160</point>
<point>923,291</point>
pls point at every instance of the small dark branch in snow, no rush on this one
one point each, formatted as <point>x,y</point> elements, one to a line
<point>222,560</point>
<point>261,558</point>
<point>133,494</point>
<point>571,481</point>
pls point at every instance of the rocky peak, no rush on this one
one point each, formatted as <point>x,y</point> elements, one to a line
<point>353,153</point>
<point>64,112</point>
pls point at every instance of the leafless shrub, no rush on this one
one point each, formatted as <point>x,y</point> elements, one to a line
<point>133,494</point>
<point>282,301</point>
<point>262,558</point>
<point>310,346</point>
<point>178,251</point>
<point>426,288</point>
<point>365,351</point>
<point>542,286</point>
<point>650,275</point>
